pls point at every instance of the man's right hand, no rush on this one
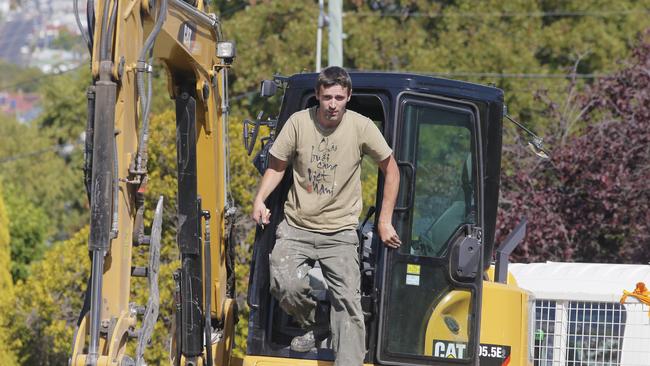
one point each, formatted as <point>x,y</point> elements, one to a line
<point>272,177</point>
<point>261,215</point>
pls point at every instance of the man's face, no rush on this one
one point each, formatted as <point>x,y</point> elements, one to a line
<point>332,101</point>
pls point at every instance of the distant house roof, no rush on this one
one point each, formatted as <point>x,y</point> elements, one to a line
<point>20,104</point>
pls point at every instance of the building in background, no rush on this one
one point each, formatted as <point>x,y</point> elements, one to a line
<point>31,35</point>
<point>24,107</point>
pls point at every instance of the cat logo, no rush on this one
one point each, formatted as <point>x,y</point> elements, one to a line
<point>445,349</point>
<point>187,36</point>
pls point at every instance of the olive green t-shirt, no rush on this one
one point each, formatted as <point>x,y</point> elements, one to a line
<point>326,192</point>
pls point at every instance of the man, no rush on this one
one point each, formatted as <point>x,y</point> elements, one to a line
<point>325,145</point>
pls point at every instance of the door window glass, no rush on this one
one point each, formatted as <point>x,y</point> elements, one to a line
<point>444,197</point>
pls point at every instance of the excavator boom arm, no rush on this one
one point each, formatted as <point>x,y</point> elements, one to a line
<point>126,37</point>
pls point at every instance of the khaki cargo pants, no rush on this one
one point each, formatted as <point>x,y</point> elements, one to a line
<point>292,257</point>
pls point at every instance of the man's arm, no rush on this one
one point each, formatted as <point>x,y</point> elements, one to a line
<point>272,177</point>
<point>387,232</point>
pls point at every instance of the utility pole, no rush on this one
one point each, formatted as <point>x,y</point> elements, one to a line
<point>322,22</point>
<point>335,46</point>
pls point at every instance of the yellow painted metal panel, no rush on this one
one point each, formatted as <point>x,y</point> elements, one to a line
<point>276,361</point>
<point>504,320</point>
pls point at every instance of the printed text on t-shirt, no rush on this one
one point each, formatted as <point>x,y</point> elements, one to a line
<point>322,171</point>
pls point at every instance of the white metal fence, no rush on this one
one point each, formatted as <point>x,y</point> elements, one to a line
<point>589,333</point>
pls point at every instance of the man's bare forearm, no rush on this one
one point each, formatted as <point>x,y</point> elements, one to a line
<point>272,177</point>
<point>391,186</point>
<point>270,180</point>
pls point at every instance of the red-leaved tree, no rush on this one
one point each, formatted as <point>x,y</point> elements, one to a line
<point>590,202</point>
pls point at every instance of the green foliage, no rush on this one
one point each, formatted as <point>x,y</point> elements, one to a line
<point>227,8</point>
<point>64,105</point>
<point>275,37</point>
<point>243,251</point>
<point>47,304</point>
<point>38,190</point>
<point>34,160</point>
<point>63,120</point>
<point>14,77</point>
<point>601,40</point>
<point>5,280</point>
<point>50,299</point>
<point>244,176</point>
<point>465,39</point>
<point>69,42</point>
<point>7,356</point>
<point>369,175</point>
<point>28,228</point>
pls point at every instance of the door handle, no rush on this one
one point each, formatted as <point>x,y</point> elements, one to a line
<point>411,192</point>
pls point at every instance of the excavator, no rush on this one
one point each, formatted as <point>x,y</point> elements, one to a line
<point>437,300</point>
<point>125,38</point>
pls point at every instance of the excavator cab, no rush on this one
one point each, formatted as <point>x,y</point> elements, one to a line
<point>422,302</point>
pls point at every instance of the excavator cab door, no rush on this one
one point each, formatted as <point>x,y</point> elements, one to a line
<point>431,286</point>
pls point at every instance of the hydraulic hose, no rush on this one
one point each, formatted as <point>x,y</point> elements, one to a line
<point>103,47</point>
<point>116,192</point>
<point>84,32</point>
<point>90,22</point>
<point>145,99</point>
<point>111,26</point>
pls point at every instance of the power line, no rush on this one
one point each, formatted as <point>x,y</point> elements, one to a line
<point>232,10</point>
<point>31,154</point>
<point>499,75</point>
<point>38,78</point>
<point>534,14</point>
<point>244,95</point>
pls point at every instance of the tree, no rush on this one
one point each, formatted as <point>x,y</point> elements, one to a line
<point>508,44</point>
<point>29,229</point>
<point>35,157</point>
<point>603,33</point>
<point>274,37</point>
<point>37,190</point>
<point>7,356</point>
<point>14,78</point>
<point>588,202</point>
<point>47,304</point>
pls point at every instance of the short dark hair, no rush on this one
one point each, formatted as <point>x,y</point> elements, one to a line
<point>334,75</point>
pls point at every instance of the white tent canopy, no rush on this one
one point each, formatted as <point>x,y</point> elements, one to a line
<point>580,281</point>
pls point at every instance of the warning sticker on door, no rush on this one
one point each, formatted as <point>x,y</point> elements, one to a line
<point>413,269</point>
<point>412,280</point>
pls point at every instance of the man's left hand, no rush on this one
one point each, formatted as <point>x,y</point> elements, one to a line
<point>388,235</point>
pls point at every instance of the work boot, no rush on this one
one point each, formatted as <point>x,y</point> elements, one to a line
<point>303,343</point>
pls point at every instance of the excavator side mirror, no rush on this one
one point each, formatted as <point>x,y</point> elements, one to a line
<point>268,88</point>
<point>465,258</point>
